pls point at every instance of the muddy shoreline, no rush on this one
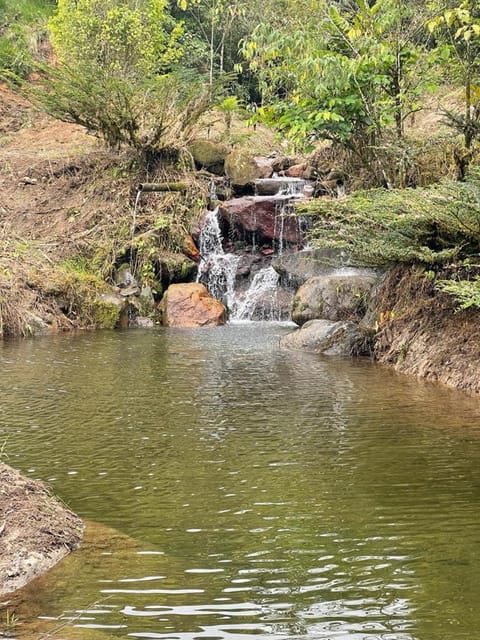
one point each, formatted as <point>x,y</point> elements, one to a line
<point>36,530</point>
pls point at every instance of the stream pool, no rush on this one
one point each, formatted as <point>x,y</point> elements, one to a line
<point>236,491</point>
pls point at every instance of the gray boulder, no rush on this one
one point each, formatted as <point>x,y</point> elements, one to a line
<point>296,268</point>
<point>300,266</point>
<point>241,168</point>
<point>328,338</point>
<point>333,297</point>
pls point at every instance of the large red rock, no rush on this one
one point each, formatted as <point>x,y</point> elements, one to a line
<point>267,216</point>
<point>296,170</point>
<point>190,305</point>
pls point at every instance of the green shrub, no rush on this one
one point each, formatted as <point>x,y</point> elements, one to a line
<point>465,292</point>
<point>430,226</point>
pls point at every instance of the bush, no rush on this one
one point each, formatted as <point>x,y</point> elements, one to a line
<point>380,227</point>
<point>465,292</point>
<point>155,116</point>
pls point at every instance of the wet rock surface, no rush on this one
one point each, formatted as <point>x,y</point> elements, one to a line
<point>327,338</point>
<point>190,305</point>
<point>300,266</point>
<point>264,216</point>
<point>333,297</point>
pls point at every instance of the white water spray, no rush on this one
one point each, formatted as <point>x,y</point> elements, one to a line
<point>261,293</point>
<point>217,269</point>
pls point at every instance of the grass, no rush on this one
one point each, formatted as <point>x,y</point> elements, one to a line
<point>25,11</point>
<point>22,31</point>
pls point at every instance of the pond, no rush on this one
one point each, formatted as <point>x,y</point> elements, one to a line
<point>234,490</point>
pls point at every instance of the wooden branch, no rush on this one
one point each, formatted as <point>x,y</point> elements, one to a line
<point>163,186</point>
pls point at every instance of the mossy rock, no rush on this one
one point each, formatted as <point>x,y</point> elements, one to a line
<point>109,311</point>
<point>209,155</point>
<point>175,267</point>
<point>241,167</point>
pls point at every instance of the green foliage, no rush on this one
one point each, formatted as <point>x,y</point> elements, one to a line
<point>122,38</point>
<point>229,106</point>
<point>115,76</point>
<point>465,292</point>
<point>22,32</point>
<point>380,227</point>
<point>215,28</point>
<point>343,75</point>
<point>458,28</point>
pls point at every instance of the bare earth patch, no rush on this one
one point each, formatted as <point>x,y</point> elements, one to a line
<point>36,530</point>
<point>424,335</point>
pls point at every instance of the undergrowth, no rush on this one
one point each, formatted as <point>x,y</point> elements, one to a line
<point>437,227</point>
<point>23,33</point>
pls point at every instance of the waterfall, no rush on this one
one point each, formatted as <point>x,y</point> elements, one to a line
<point>262,291</point>
<point>217,269</point>
<point>218,272</point>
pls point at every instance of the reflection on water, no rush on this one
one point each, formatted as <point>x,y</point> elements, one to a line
<point>240,491</point>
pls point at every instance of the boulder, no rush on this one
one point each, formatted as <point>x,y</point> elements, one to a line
<point>141,322</point>
<point>125,280</point>
<point>296,170</point>
<point>264,167</point>
<point>173,267</point>
<point>209,155</point>
<point>241,168</point>
<point>328,338</point>
<point>111,311</point>
<point>333,297</point>
<point>296,268</point>
<point>282,163</point>
<point>261,215</point>
<point>190,305</point>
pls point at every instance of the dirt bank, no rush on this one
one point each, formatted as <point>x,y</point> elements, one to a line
<point>421,333</point>
<point>36,530</point>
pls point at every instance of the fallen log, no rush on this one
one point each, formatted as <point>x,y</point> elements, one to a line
<point>163,186</point>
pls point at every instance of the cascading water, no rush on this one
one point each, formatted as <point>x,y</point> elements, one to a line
<point>218,272</point>
<point>243,280</point>
<point>262,292</point>
<point>217,269</point>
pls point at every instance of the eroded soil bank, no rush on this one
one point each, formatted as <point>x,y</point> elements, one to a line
<point>36,530</point>
<point>421,333</point>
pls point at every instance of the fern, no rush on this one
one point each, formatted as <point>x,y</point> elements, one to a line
<point>465,292</point>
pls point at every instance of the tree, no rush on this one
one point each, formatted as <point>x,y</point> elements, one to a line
<point>344,74</point>
<point>213,23</point>
<point>130,38</point>
<point>459,29</point>
<point>116,77</point>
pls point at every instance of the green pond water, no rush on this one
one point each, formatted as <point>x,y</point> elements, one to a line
<point>238,491</point>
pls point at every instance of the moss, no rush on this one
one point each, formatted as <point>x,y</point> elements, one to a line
<point>209,155</point>
<point>106,314</point>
